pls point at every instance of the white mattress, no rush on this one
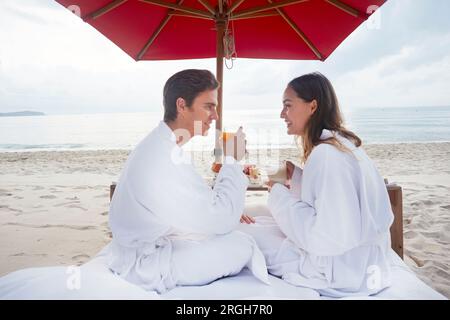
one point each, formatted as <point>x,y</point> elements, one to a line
<point>97,282</point>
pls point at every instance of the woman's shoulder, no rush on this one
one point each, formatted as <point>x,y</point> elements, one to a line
<point>320,155</point>
<point>327,151</point>
<point>325,148</point>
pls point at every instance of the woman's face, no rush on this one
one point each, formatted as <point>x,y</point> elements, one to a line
<point>296,112</point>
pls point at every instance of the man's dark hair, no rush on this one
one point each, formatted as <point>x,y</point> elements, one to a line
<point>186,84</point>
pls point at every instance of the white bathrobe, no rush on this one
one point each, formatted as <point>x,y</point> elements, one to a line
<point>169,227</point>
<point>331,229</point>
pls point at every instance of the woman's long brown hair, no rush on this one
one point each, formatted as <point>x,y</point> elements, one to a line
<point>315,86</point>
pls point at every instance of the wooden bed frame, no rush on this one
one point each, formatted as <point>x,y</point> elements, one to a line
<point>395,195</point>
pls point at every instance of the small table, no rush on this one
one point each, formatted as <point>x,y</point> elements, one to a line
<point>257,188</point>
<point>251,187</point>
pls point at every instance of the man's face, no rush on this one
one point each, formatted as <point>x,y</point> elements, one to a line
<point>202,112</point>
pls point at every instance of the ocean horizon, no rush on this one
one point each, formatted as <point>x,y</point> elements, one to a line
<point>264,129</point>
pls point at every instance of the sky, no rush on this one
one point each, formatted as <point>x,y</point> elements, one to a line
<point>53,62</point>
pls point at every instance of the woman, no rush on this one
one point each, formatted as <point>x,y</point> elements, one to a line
<point>330,228</point>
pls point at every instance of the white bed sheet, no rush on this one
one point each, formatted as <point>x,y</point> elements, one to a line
<point>97,282</point>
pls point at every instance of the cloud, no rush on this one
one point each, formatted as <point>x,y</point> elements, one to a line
<point>406,78</point>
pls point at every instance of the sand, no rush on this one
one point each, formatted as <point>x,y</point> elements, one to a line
<point>54,205</point>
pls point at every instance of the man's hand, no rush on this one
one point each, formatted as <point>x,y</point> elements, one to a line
<point>247,219</point>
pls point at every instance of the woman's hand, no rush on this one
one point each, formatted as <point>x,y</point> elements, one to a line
<point>270,183</point>
<point>247,219</point>
<point>290,167</point>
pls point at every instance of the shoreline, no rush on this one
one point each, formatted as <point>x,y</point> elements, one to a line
<point>54,204</point>
<point>33,150</point>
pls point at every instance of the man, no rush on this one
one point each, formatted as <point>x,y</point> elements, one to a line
<point>169,227</point>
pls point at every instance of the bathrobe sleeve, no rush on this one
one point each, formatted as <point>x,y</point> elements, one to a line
<point>296,181</point>
<point>326,221</point>
<point>180,198</point>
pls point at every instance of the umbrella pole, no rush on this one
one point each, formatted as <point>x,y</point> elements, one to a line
<point>220,26</point>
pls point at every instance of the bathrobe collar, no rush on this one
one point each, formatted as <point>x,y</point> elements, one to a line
<point>165,132</point>
<point>327,134</point>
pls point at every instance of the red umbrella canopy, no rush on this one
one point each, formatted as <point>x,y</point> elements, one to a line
<point>194,29</point>
<point>188,29</point>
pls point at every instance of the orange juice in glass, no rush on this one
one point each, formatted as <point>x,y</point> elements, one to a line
<point>230,137</point>
<point>227,138</point>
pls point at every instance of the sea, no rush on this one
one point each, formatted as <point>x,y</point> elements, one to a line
<point>263,128</point>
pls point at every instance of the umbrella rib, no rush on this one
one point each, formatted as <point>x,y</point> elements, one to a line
<point>179,7</point>
<point>183,14</point>
<point>153,37</point>
<point>346,8</point>
<point>103,10</point>
<point>268,7</point>
<point>256,15</point>
<point>156,33</point>
<point>208,6</point>
<point>299,32</point>
<point>234,6</point>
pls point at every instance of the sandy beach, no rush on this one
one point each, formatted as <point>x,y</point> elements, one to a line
<point>54,205</point>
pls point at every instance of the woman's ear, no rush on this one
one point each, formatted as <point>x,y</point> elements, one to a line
<point>313,106</point>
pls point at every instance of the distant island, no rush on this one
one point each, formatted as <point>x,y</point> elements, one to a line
<point>22,114</point>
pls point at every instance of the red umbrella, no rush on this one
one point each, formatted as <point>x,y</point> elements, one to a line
<point>193,29</point>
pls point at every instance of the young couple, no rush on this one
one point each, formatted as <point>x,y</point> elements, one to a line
<point>329,231</point>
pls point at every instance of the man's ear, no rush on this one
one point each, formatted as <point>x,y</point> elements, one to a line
<point>313,106</point>
<point>181,105</point>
